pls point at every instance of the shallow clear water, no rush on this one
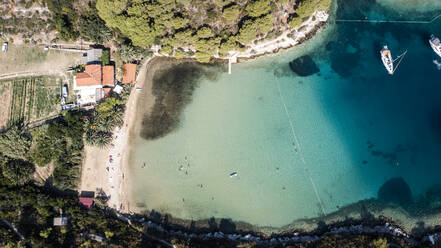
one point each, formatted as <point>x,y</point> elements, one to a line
<point>303,146</point>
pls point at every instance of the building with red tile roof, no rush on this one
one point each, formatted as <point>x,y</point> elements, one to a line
<point>108,75</point>
<point>129,74</point>
<point>86,201</point>
<point>89,84</point>
<point>90,76</point>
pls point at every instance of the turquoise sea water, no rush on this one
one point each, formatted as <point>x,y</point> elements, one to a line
<point>304,146</point>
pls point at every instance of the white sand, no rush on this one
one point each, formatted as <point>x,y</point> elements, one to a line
<point>98,172</point>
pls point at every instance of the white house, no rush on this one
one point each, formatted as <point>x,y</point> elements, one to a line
<point>94,83</point>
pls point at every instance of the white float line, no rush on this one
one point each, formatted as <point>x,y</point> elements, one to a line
<point>390,21</point>
<point>299,149</point>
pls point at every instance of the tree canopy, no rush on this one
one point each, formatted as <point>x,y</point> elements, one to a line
<point>257,8</point>
<point>104,118</point>
<point>230,14</point>
<point>15,142</point>
<point>18,172</point>
<point>204,27</point>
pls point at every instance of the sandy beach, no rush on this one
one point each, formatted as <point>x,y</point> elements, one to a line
<point>107,169</point>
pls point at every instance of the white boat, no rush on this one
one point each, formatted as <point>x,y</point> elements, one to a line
<point>234,174</point>
<point>388,62</point>
<point>435,43</point>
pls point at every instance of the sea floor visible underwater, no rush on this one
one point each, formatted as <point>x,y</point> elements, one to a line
<point>309,130</point>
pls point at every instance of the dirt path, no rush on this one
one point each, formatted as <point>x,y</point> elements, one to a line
<point>25,74</point>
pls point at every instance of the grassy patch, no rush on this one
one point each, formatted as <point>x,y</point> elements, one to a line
<point>35,55</point>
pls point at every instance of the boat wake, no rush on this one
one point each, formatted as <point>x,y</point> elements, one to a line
<point>437,63</point>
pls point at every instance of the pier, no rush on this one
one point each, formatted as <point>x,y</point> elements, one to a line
<point>231,60</point>
<point>390,21</point>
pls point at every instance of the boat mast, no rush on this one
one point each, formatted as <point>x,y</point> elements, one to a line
<point>402,57</point>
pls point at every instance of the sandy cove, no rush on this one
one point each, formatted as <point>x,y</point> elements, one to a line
<point>113,177</point>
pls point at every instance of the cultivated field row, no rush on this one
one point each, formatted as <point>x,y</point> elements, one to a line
<point>29,99</point>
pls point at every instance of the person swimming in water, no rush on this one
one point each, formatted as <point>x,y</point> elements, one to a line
<point>295,147</point>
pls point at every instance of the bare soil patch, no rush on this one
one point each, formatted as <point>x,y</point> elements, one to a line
<point>28,58</point>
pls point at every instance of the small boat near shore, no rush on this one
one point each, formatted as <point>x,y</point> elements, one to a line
<point>435,43</point>
<point>388,62</point>
<point>234,174</point>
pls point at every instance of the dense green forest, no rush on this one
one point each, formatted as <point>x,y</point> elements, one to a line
<point>31,210</point>
<point>59,144</point>
<point>200,28</point>
<point>181,28</point>
<point>203,27</point>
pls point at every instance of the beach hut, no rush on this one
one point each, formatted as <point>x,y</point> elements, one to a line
<point>86,201</point>
<point>118,89</point>
<point>60,221</point>
<point>129,74</point>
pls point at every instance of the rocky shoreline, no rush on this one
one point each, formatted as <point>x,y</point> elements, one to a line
<point>366,218</point>
<point>288,39</point>
<point>383,228</point>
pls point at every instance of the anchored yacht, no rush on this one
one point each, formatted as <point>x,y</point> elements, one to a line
<point>388,62</point>
<point>435,44</point>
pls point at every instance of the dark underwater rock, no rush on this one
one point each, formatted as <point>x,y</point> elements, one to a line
<point>331,45</point>
<point>304,66</point>
<point>395,190</point>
